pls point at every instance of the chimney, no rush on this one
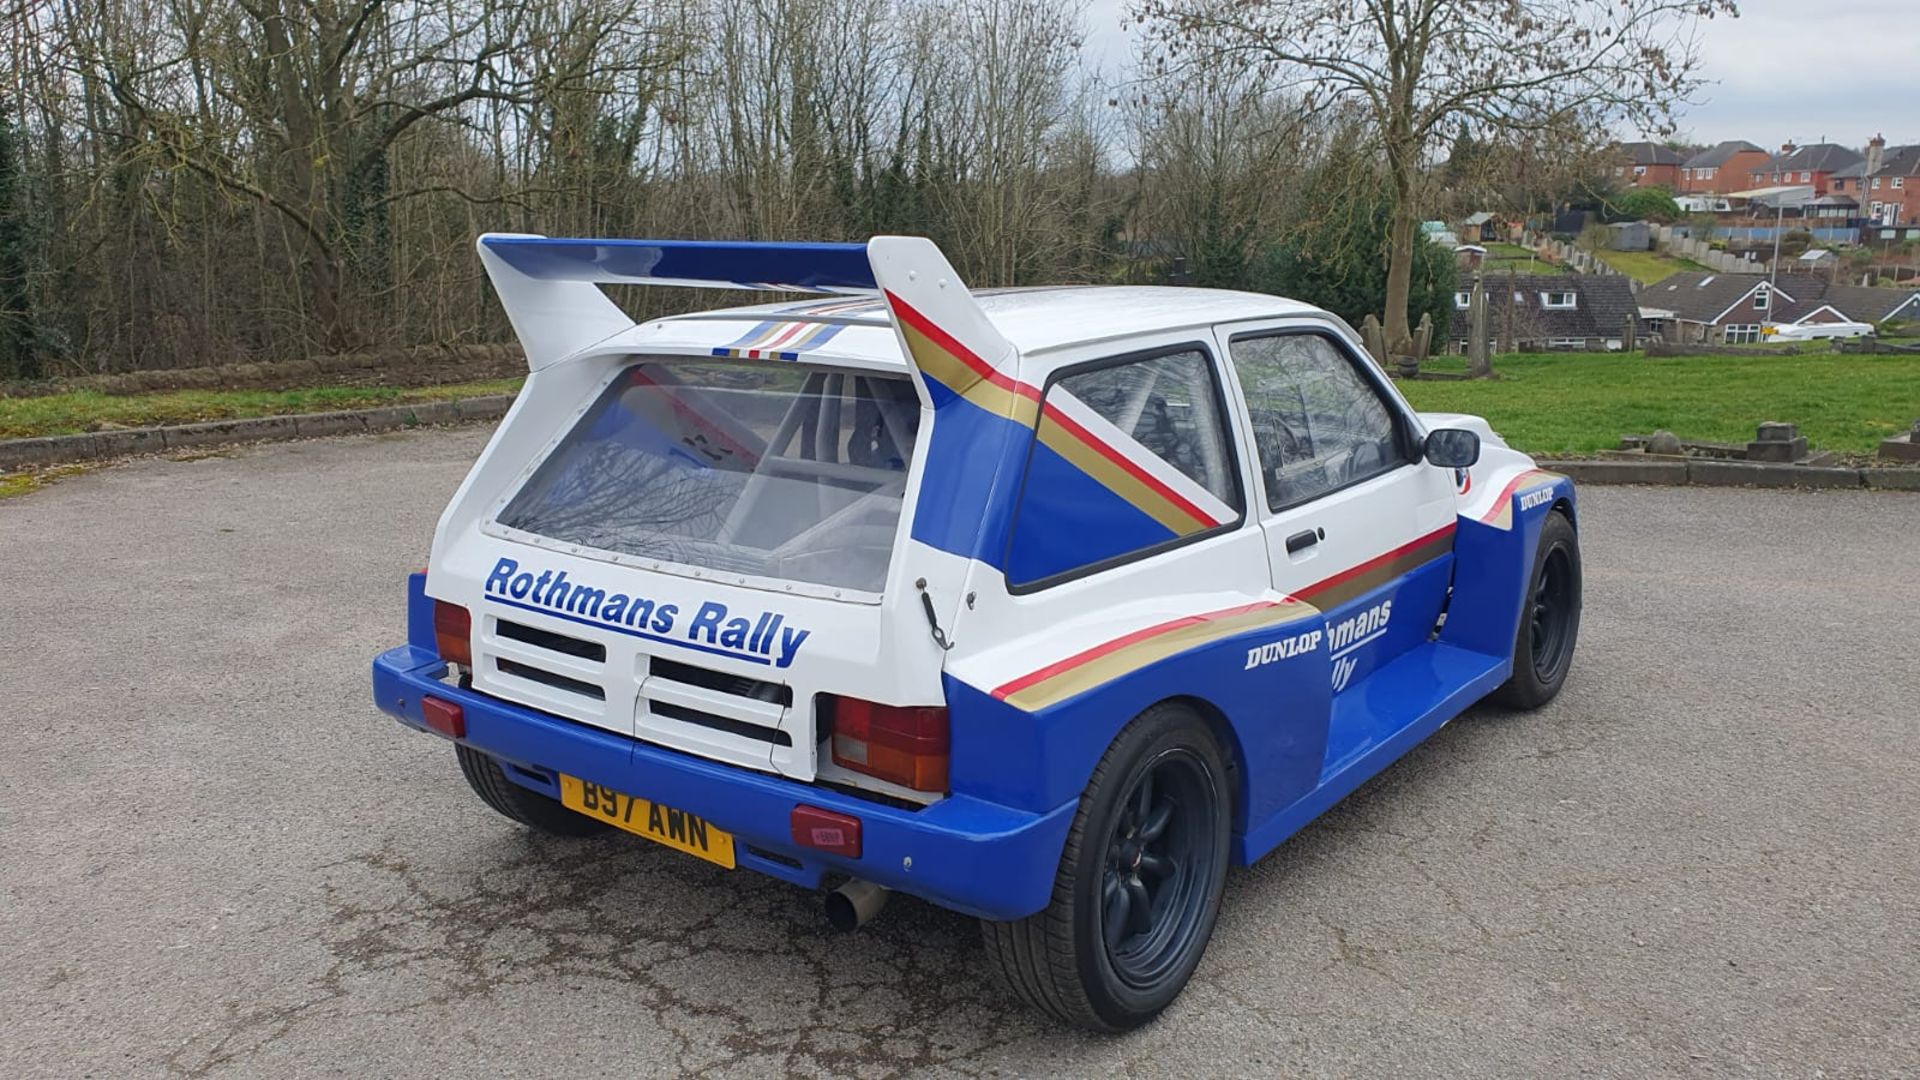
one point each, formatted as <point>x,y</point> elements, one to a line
<point>1786,148</point>
<point>1876,151</point>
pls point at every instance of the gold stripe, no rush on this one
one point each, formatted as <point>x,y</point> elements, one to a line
<point>768,334</point>
<point>956,375</point>
<point>1130,658</point>
<point>1503,514</point>
<point>1386,571</point>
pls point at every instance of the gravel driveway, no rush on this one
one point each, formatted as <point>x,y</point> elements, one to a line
<point>217,859</point>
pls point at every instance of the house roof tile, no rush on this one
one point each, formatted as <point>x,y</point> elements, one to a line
<point>1650,153</point>
<point>1699,297</point>
<point>1820,157</point>
<point>1900,161</point>
<point>1604,304</point>
<point>1715,156</point>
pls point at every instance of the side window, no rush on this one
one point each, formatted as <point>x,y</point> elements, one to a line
<point>1318,424</point>
<point>1128,457</point>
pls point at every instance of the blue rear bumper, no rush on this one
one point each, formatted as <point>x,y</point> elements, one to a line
<point>967,854</point>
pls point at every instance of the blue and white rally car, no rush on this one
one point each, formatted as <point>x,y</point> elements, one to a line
<point>1045,605</point>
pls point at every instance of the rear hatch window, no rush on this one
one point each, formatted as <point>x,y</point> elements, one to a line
<point>760,470</point>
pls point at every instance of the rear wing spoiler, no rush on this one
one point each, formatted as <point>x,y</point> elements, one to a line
<point>550,288</point>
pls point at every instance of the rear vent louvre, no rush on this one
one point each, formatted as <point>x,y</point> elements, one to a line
<point>547,639</point>
<point>722,723</point>
<point>737,685</point>
<point>548,678</point>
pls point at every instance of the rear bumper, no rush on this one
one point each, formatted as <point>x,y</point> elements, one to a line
<point>973,856</point>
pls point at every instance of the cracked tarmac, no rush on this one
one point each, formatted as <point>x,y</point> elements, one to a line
<point>216,859</point>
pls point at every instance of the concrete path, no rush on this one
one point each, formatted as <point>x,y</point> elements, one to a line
<point>217,860</point>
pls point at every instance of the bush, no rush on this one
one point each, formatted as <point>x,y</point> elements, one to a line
<point>1643,204</point>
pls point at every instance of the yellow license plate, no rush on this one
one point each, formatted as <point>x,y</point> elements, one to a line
<point>677,829</point>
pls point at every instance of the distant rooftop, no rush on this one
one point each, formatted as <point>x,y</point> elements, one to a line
<point>1715,156</point>
<point>1820,157</point>
<point>1650,153</point>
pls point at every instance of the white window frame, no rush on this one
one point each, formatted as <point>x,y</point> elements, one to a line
<point>1740,333</point>
<point>1762,297</point>
<point>1574,343</point>
<point>1572,303</point>
<point>1897,181</point>
<point>1462,301</point>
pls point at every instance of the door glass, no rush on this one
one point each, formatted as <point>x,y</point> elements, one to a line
<point>1318,424</point>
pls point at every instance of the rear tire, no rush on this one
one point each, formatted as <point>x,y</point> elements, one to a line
<point>529,808</point>
<point>1549,619</point>
<point>1138,890</point>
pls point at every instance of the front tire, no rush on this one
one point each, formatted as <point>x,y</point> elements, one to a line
<point>529,808</point>
<point>1549,620</point>
<point>1138,890</point>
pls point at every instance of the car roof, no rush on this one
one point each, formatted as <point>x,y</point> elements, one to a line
<point>1033,319</point>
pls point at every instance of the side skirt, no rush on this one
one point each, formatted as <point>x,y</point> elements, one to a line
<point>1430,685</point>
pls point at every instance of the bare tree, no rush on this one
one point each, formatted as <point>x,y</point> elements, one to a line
<point>1218,151</point>
<point>1419,67</point>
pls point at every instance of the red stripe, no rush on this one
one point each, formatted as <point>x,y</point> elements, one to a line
<point>1129,466</point>
<point>1009,689</point>
<point>1354,572</point>
<point>1507,493</point>
<point>783,338</point>
<point>960,352</point>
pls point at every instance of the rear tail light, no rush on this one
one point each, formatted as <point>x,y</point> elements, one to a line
<point>905,745</point>
<point>453,633</point>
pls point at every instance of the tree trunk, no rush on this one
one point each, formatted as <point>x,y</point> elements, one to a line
<point>1403,235</point>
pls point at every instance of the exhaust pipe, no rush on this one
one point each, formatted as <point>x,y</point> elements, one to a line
<point>853,904</point>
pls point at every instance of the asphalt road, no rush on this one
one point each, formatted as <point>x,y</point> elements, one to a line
<point>217,859</point>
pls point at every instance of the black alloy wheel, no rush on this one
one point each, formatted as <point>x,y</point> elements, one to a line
<point>1159,863</point>
<point>1140,880</point>
<point>1552,614</point>
<point>1549,619</point>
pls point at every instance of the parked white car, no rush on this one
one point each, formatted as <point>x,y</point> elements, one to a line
<point>1818,331</point>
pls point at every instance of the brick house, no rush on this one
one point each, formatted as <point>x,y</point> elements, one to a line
<point>1804,165</point>
<point>1721,169</point>
<point>1551,312</point>
<point>1731,309</point>
<point>1890,188</point>
<point>1648,164</point>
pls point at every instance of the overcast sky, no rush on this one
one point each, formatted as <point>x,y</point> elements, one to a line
<point>1784,70</point>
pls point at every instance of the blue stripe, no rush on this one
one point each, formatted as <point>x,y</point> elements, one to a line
<point>630,632</point>
<point>819,337</point>
<point>726,263</point>
<point>754,333</point>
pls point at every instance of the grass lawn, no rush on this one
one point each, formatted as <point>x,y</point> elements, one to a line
<point>1646,267</point>
<point>1504,257</point>
<point>1581,402</point>
<point>65,414</point>
<point>1494,269</point>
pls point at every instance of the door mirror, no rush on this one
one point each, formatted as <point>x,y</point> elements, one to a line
<point>1452,448</point>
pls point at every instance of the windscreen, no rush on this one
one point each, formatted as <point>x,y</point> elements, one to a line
<point>769,470</point>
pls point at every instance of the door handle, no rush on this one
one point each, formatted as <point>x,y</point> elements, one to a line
<point>1302,540</point>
